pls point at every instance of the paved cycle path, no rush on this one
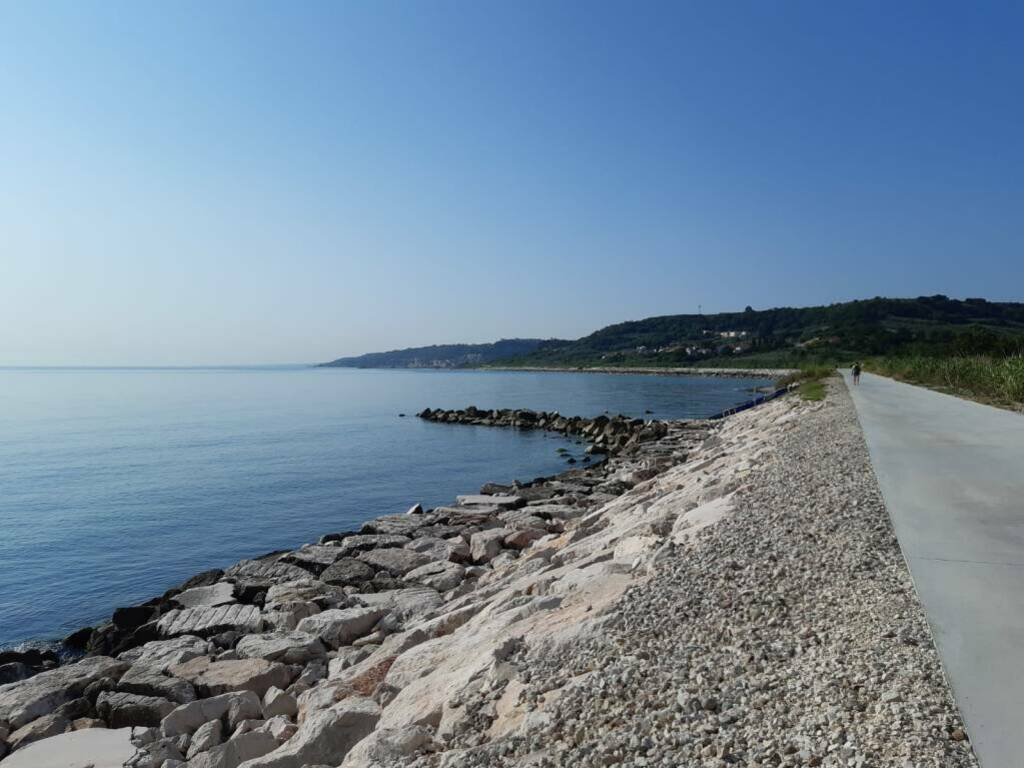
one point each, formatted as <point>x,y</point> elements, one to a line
<point>952,475</point>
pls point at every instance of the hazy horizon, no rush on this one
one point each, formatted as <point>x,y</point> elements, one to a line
<point>258,184</point>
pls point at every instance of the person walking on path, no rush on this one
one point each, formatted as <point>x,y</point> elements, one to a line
<point>856,373</point>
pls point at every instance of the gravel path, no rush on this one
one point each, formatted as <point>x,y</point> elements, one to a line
<point>788,634</point>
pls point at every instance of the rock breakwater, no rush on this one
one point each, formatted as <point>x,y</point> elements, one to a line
<point>724,593</point>
<point>607,434</point>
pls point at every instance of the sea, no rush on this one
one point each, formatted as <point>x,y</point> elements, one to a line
<point>117,484</point>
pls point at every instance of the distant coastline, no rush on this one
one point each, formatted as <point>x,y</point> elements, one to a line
<point>735,373</point>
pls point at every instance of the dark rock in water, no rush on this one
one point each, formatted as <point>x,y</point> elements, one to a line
<point>14,672</point>
<point>204,579</point>
<point>32,657</point>
<point>401,415</point>
<point>347,571</point>
<point>132,617</point>
<point>570,460</point>
<point>78,640</point>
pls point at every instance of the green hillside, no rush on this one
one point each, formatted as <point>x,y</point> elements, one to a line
<point>929,325</point>
<point>443,355</point>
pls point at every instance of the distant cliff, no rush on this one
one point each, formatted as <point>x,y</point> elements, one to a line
<point>444,355</point>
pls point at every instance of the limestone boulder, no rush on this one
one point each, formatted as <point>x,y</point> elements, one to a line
<point>454,549</point>
<point>221,593</point>
<point>211,678</point>
<point>325,737</point>
<point>386,747</point>
<point>187,718</point>
<point>441,575</point>
<point>486,545</point>
<point>347,571</point>
<point>40,728</point>
<point>124,710</point>
<point>313,557</point>
<point>267,571</point>
<point>144,680</point>
<point>204,622</point>
<point>277,702</point>
<point>280,727</point>
<point>339,627</point>
<point>23,702</point>
<point>353,545</point>
<point>524,537</point>
<point>286,647</point>
<point>482,500</point>
<point>404,603</point>
<point>163,654</point>
<point>236,751</point>
<point>206,737</point>
<point>394,561</point>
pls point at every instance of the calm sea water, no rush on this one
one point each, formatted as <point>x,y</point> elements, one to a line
<point>116,484</point>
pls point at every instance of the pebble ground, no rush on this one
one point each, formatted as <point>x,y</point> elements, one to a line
<point>788,634</point>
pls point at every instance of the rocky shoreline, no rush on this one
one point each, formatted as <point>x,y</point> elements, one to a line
<point>699,597</point>
<point>281,621</point>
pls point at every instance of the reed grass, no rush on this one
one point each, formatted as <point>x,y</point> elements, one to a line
<point>998,380</point>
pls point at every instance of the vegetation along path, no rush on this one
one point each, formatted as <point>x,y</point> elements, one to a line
<point>952,475</point>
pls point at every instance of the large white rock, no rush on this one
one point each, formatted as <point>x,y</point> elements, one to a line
<point>221,593</point>
<point>261,570</point>
<point>480,500</point>
<point>439,575</point>
<point>40,728</point>
<point>406,603</point>
<point>236,617</point>
<point>124,710</point>
<point>386,747</point>
<point>235,751</point>
<point>91,748</point>
<point>161,654</point>
<point>187,718</point>
<point>211,678</point>
<point>486,545</point>
<point>395,561</point>
<point>325,737</point>
<point>206,737</point>
<point>455,549</point>
<point>339,627</point>
<point>277,702</point>
<point>286,647</point>
<point>149,681</point>
<point>24,701</point>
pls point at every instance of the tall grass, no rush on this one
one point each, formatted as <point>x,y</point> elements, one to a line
<point>997,379</point>
<point>811,380</point>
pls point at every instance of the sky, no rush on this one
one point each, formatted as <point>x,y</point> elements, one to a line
<point>255,182</point>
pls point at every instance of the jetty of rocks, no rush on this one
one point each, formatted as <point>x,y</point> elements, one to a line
<point>607,434</point>
<point>711,593</point>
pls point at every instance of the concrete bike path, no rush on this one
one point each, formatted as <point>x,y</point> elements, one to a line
<point>952,475</point>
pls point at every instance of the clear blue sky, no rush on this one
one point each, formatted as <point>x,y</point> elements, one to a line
<point>245,182</point>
